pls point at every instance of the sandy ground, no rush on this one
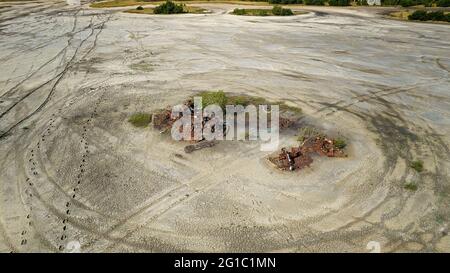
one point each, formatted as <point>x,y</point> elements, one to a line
<point>74,171</point>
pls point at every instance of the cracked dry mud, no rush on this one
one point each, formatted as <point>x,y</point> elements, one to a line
<point>74,170</point>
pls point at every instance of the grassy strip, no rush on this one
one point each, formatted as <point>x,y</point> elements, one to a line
<point>140,119</point>
<point>118,3</point>
<point>421,15</point>
<point>264,12</point>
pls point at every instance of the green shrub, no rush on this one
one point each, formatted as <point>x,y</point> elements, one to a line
<point>339,2</point>
<point>214,97</point>
<point>420,15</point>
<point>239,11</point>
<point>279,11</point>
<point>410,186</point>
<point>286,12</point>
<point>390,2</point>
<point>169,7</point>
<point>314,2</point>
<point>443,3</point>
<point>140,8</point>
<point>427,3</point>
<point>362,2</point>
<point>285,2</point>
<point>276,10</point>
<point>417,165</point>
<point>262,12</point>
<point>436,16</point>
<point>340,143</point>
<point>140,119</point>
<point>408,3</point>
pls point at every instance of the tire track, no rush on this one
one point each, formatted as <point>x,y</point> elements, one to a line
<point>57,78</point>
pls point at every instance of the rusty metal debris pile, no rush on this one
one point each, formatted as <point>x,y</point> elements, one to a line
<point>300,157</point>
<point>163,121</point>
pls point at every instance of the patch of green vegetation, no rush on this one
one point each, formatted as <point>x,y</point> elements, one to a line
<point>410,186</point>
<point>195,10</point>
<point>339,2</point>
<point>275,11</point>
<point>443,3</point>
<point>116,3</point>
<point>440,218</point>
<point>410,3</point>
<point>140,8</point>
<point>142,66</point>
<point>307,132</point>
<point>417,165</point>
<point>237,11</point>
<point>423,15</point>
<point>285,2</point>
<point>169,7</point>
<point>407,3</point>
<point>340,143</point>
<point>314,2</point>
<point>140,119</point>
<point>214,97</point>
<point>279,11</point>
<point>263,13</point>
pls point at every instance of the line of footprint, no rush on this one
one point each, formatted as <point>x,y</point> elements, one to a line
<point>26,231</point>
<point>79,177</point>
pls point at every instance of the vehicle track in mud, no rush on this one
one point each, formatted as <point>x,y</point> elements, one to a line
<point>56,79</point>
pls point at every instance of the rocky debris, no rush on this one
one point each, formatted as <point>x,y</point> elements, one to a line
<point>162,119</point>
<point>286,122</point>
<point>322,146</point>
<point>199,145</point>
<point>300,157</point>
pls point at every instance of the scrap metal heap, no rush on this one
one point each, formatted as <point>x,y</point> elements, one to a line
<point>163,121</point>
<point>300,157</point>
